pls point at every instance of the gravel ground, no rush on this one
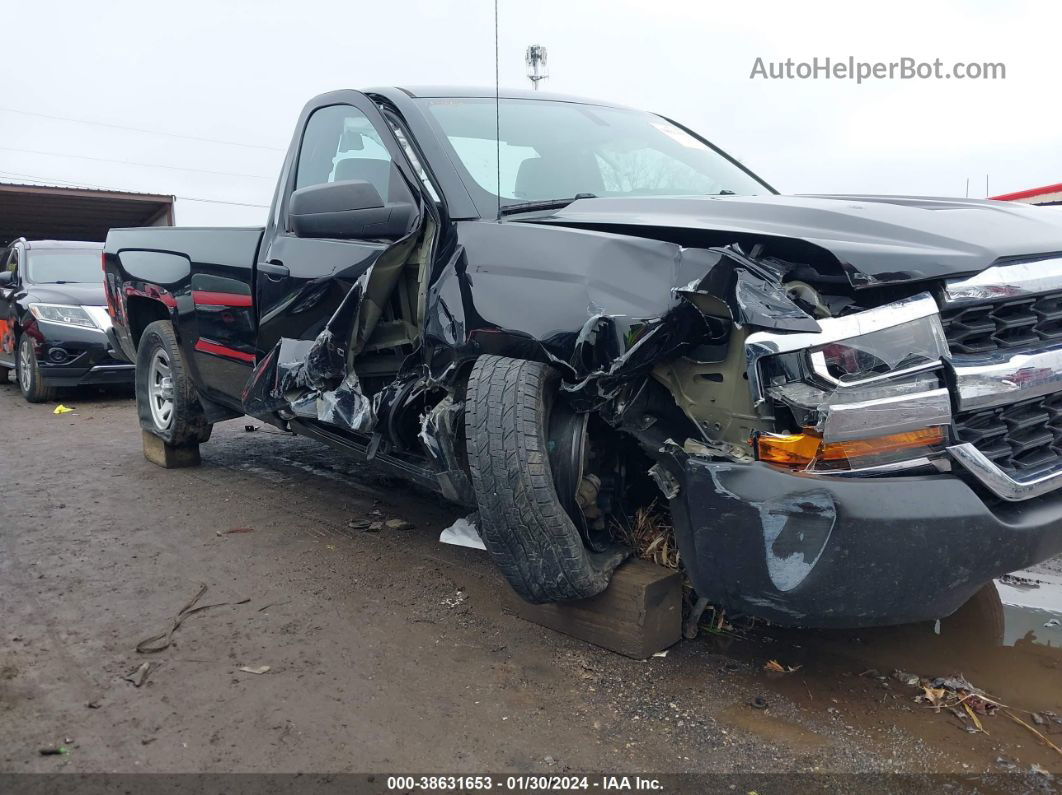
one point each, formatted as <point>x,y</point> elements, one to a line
<point>386,651</point>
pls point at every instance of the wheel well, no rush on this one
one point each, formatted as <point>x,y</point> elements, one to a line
<point>142,312</point>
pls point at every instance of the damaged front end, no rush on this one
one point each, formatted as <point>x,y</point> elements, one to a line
<point>795,426</point>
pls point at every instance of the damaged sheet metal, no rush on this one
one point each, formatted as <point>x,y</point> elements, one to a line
<point>603,309</point>
<point>313,378</point>
<point>439,430</point>
<point>874,240</point>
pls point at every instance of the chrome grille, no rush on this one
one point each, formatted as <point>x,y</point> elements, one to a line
<point>1018,438</point>
<point>1028,321</point>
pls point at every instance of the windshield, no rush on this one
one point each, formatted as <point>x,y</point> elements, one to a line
<point>556,150</point>
<point>77,265</point>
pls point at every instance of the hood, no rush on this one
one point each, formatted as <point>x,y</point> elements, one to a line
<point>876,239</point>
<point>80,294</point>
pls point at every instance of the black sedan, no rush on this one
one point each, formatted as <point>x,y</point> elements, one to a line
<point>54,319</point>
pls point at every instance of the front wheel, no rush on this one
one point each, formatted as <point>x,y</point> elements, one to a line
<point>30,381</point>
<point>166,398</point>
<point>524,524</point>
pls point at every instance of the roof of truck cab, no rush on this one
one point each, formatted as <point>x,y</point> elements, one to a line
<point>487,92</point>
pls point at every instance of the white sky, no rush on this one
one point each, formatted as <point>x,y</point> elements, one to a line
<point>241,71</point>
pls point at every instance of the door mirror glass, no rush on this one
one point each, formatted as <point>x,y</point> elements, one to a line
<point>7,278</point>
<point>347,209</point>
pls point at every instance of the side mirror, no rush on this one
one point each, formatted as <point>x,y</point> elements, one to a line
<point>7,278</point>
<point>347,209</point>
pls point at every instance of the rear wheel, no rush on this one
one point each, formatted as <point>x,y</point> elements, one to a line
<point>166,398</point>
<point>30,382</point>
<point>524,524</point>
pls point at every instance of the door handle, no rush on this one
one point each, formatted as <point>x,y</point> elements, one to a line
<point>274,270</point>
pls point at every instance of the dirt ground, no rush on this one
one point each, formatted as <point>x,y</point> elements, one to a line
<point>388,651</point>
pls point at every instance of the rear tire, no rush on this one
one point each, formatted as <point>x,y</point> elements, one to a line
<point>28,373</point>
<point>166,398</point>
<point>523,523</point>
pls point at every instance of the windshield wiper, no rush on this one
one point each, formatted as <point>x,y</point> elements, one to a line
<point>544,204</point>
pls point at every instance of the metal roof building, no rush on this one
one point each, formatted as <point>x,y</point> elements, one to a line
<point>39,212</point>
<point>1046,196</point>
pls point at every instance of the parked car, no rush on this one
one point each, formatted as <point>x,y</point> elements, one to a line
<point>849,404</point>
<point>53,319</point>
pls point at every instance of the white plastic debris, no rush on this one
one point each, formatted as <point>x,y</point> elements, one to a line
<point>462,533</point>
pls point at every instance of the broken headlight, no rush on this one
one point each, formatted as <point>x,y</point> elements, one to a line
<point>864,391</point>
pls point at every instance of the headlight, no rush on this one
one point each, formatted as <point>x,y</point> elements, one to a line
<point>866,390</point>
<point>63,315</point>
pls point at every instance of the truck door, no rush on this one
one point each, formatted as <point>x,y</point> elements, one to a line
<point>300,282</point>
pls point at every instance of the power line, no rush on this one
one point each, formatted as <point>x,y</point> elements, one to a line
<point>142,130</point>
<point>133,163</point>
<point>54,180</point>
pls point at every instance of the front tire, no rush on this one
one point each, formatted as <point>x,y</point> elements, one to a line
<point>166,398</point>
<point>522,521</point>
<point>28,372</point>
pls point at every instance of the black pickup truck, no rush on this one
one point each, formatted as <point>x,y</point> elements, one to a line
<point>565,313</point>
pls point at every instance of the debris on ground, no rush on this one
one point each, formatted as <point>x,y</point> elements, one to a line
<point>235,530</point>
<point>905,678</point>
<point>652,537</point>
<point>54,750</point>
<point>138,676</point>
<point>968,704</point>
<point>255,669</point>
<point>249,428</point>
<point>758,702</point>
<point>358,524</point>
<point>1037,770</point>
<point>1035,731</point>
<point>164,640</point>
<point>661,653</point>
<point>456,600</point>
<point>61,409</point>
<point>375,527</point>
<point>397,525</point>
<point>463,533</point>
<point>775,667</point>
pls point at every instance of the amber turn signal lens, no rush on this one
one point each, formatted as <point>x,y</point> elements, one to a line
<point>801,449</point>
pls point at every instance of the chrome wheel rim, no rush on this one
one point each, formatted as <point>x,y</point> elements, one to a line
<point>25,366</point>
<point>160,390</point>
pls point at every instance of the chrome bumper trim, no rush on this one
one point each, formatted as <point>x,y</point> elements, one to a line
<point>999,482</point>
<point>993,380</point>
<point>112,368</point>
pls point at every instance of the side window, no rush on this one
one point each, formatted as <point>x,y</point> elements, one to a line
<point>12,262</point>
<point>340,144</point>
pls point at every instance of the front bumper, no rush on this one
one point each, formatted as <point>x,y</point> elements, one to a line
<point>88,357</point>
<point>814,551</point>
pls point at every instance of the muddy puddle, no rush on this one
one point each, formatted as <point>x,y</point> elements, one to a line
<point>1006,642</point>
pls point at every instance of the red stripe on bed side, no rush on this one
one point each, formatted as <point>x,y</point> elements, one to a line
<point>205,346</point>
<point>220,299</point>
